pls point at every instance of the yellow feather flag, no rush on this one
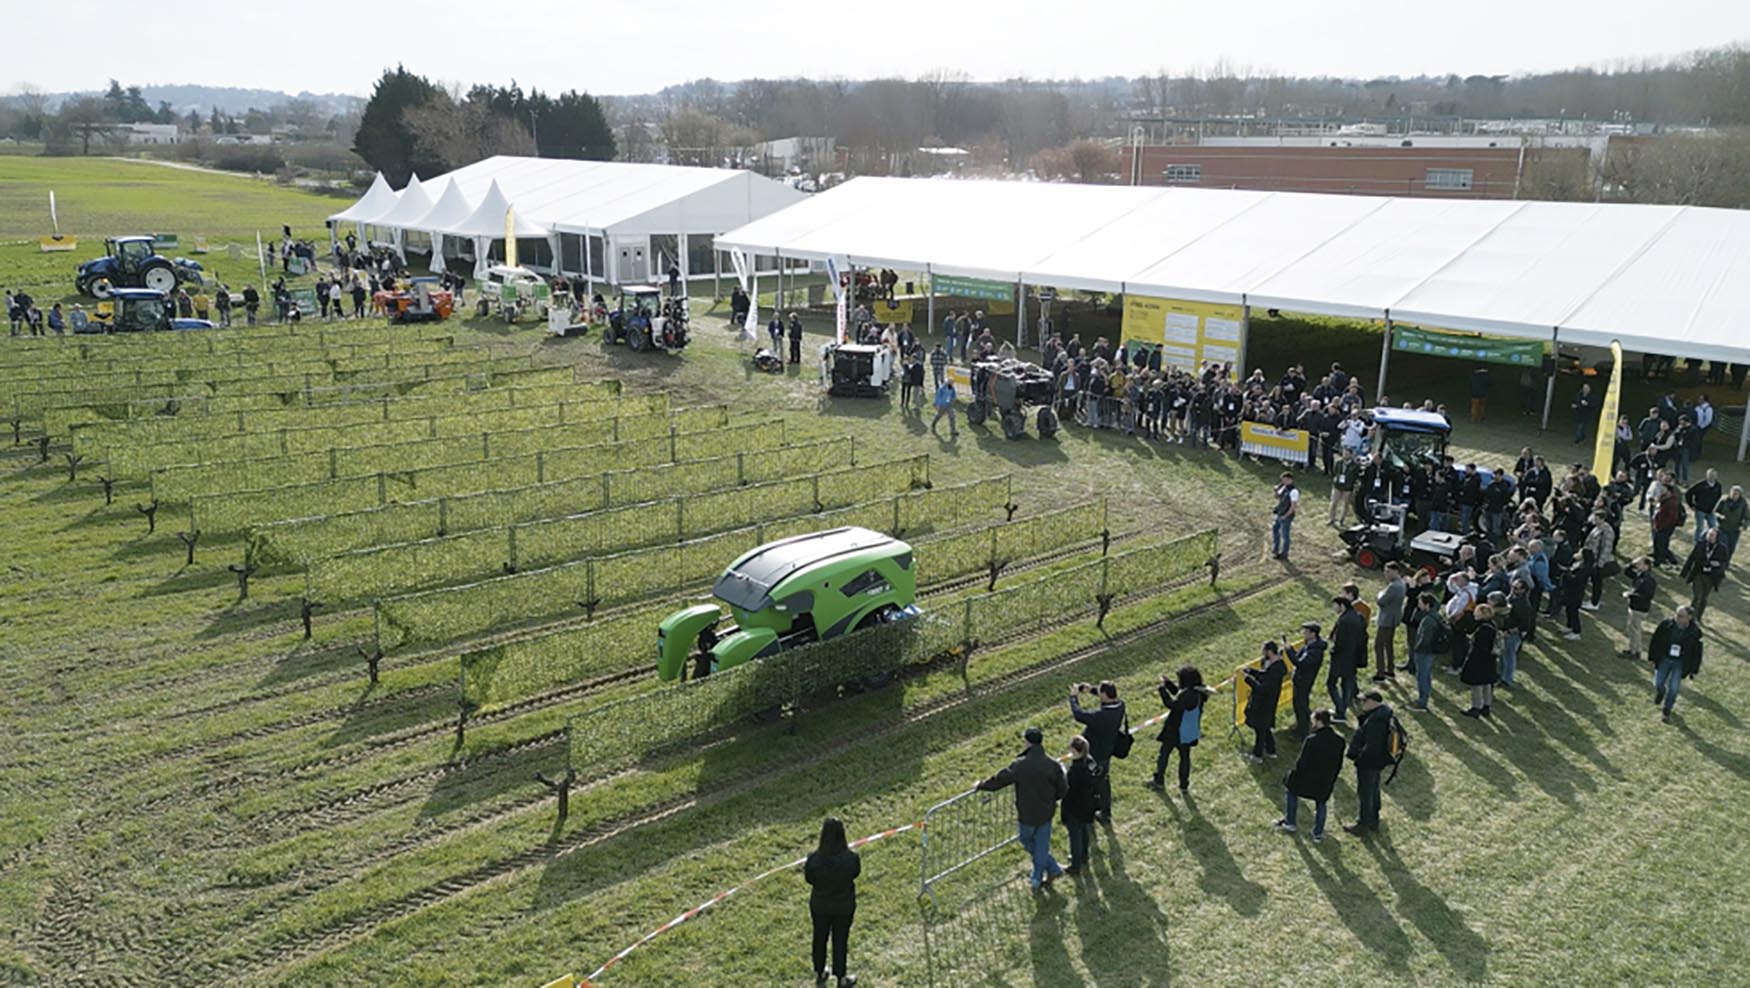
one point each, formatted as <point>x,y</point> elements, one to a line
<point>510,238</point>
<point>1604,452</point>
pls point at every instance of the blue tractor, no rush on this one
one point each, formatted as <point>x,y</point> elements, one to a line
<point>133,262</point>
<point>140,310</point>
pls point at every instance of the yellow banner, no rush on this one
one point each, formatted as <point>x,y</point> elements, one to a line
<point>1604,452</point>
<point>1188,333</point>
<point>1243,689</point>
<point>895,311</point>
<point>1289,445</point>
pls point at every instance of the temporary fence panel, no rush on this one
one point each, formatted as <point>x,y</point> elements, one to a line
<point>962,831</point>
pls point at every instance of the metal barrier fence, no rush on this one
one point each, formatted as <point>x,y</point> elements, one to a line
<point>961,831</point>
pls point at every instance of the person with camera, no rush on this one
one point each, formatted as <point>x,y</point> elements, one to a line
<point>1184,697</point>
<point>1308,659</point>
<point>1039,783</point>
<point>1370,750</point>
<point>1101,726</point>
<point>1639,597</point>
<point>1266,684</point>
<point>1313,776</point>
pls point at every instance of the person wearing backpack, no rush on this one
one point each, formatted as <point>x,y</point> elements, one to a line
<point>1370,750</point>
<point>1314,775</point>
<point>1184,698</point>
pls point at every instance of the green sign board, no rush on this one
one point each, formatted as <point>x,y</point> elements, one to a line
<point>1483,349</point>
<point>957,287</point>
<point>306,299</point>
<point>166,240</point>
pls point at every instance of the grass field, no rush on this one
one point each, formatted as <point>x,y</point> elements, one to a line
<point>191,794</point>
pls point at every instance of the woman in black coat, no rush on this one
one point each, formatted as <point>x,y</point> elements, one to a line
<point>832,870</point>
<point>1314,774</point>
<point>1266,684</point>
<point>1184,701</point>
<point>1078,804</point>
<point>1480,669</point>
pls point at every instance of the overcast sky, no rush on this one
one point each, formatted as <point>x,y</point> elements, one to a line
<point>329,46</point>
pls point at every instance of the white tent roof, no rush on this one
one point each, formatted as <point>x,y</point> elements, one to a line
<point>376,201</point>
<point>1667,279</point>
<point>609,196</point>
<point>451,210</point>
<point>487,220</point>
<point>413,203</point>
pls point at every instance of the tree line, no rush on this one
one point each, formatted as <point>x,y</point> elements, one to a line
<point>412,125</point>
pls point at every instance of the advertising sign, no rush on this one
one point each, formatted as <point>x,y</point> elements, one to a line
<point>1189,334</point>
<point>1465,346</point>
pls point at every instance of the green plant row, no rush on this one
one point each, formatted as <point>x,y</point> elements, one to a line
<point>33,351</point>
<point>111,403</point>
<point>298,541</point>
<point>1112,577</point>
<point>458,395</point>
<point>516,670</point>
<point>146,369</point>
<point>700,507</point>
<point>453,613</point>
<point>218,514</point>
<point>310,455</point>
<point>618,733</point>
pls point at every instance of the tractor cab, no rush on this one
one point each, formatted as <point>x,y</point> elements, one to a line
<point>644,321</point>
<point>142,310</point>
<point>134,262</point>
<point>788,593</point>
<point>130,253</point>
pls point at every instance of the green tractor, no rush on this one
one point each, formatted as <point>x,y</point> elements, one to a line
<point>788,593</point>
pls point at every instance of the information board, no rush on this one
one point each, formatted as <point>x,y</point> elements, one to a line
<point>1189,334</point>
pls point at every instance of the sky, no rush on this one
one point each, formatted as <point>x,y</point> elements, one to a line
<point>621,48</point>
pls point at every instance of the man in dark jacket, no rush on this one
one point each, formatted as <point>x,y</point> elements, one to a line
<point>1348,654</point>
<point>1307,659</point>
<point>1039,783</point>
<point>1369,749</point>
<point>1703,497</point>
<point>795,340</point>
<point>1639,597</point>
<point>1314,775</point>
<point>1704,569</point>
<point>1100,726</point>
<point>1266,684</point>
<point>1675,655</point>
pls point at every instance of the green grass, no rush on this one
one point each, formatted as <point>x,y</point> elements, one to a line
<point>151,821</point>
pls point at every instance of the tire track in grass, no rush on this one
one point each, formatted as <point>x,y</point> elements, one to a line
<point>265,955</point>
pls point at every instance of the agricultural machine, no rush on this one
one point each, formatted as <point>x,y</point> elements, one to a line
<point>420,301</point>
<point>644,321</point>
<point>860,370</point>
<point>1403,440</point>
<point>791,592</point>
<point>1009,387</point>
<point>514,291</point>
<point>139,310</point>
<point>133,262</point>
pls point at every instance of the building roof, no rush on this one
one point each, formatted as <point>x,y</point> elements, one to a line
<point>570,196</point>
<point>1666,279</point>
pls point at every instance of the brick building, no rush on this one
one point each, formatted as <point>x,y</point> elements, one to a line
<point>1450,172</point>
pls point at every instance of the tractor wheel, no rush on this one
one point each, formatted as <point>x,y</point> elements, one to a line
<point>977,412</point>
<point>1014,425</point>
<point>1047,423</point>
<point>98,289</point>
<point>1366,558</point>
<point>159,279</point>
<point>639,339</point>
<point>885,615</point>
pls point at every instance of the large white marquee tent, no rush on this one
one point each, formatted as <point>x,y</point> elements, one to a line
<point>606,220</point>
<point>1660,279</point>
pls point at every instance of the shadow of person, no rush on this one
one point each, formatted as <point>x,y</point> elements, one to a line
<point>1463,948</point>
<point>1121,928</point>
<point>1354,902</point>
<point>1221,873</point>
<point>1734,762</point>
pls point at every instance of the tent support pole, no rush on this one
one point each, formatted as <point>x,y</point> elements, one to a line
<point>1245,340</point>
<point>716,272</point>
<point>1020,316</point>
<point>588,273</point>
<point>778,296</point>
<point>1744,433</point>
<point>1384,357</point>
<point>930,315</point>
<point>1549,387</point>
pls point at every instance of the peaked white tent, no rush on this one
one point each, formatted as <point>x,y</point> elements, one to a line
<point>1661,279</point>
<point>412,204</point>
<point>611,220</point>
<point>493,219</point>
<point>451,210</point>
<point>376,201</point>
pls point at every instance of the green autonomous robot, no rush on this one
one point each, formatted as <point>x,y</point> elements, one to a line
<point>791,592</point>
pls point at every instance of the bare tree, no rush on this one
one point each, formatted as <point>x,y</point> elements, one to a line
<point>462,132</point>
<point>87,119</point>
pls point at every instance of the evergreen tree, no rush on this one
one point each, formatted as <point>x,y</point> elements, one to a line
<point>574,126</point>
<point>383,138</point>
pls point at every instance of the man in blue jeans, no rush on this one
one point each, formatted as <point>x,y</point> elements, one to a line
<point>1369,749</point>
<point>1424,646</point>
<point>1282,515</point>
<point>1039,783</point>
<point>1676,655</point>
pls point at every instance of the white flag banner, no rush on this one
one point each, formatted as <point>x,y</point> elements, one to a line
<point>53,219</point>
<point>739,260</point>
<point>832,274</point>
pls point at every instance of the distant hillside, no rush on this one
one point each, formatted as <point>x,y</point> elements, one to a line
<point>229,99</point>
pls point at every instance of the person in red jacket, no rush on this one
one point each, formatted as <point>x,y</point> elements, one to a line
<point>1665,521</point>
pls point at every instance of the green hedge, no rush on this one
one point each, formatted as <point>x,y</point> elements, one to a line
<point>436,616</point>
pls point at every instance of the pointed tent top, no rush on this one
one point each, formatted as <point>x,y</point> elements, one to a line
<point>413,204</point>
<point>451,211</point>
<point>488,219</point>
<point>376,201</point>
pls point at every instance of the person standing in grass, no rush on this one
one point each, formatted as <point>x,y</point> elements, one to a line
<point>831,871</point>
<point>1703,570</point>
<point>1480,670</point>
<point>1343,478</point>
<point>1184,697</point>
<point>1308,661</point>
<point>1078,804</point>
<point>1733,511</point>
<point>1039,783</point>
<point>1391,614</point>
<point>1370,750</point>
<point>795,340</point>
<point>1348,653</point>
<point>1639,597</point>
<point>1314,775</point>
<point>1675,655</point>
<point>1101,727</point>
<point>1282,515</point>
<point>1266,684</point>
<point>1424,647</point>
<point>944,407</point>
